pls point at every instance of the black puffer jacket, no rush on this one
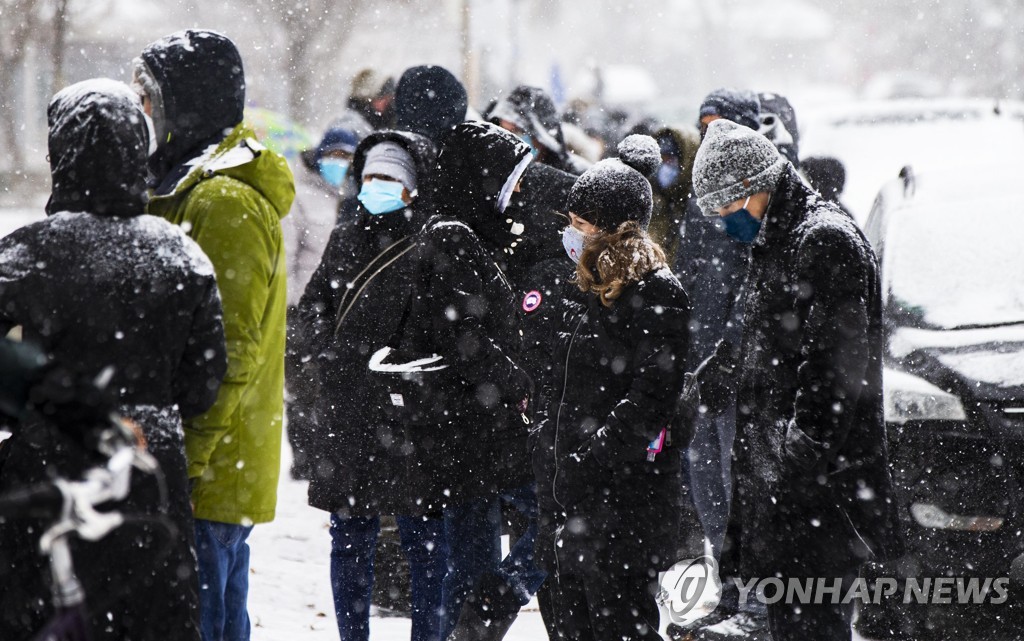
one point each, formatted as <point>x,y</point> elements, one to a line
<point>127,292</point>
<point>345,452</point>
<point>427,352</point>
<point>358,238</point>
<point>811,461</point>
<point>617,375</point>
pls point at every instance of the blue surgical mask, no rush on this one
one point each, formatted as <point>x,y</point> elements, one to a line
<point>668,173</point>
<point>334,171</point>
<point>528,139</point>
<point>572,240</point>
<point>382,196</point>
<point>742,225</point>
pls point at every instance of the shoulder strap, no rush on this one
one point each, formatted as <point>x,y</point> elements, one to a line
<point>358,284</point>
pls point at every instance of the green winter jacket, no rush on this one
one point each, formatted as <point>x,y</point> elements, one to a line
<point>231,202</point>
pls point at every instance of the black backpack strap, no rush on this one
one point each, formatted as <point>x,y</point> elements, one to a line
<point>380,262</point>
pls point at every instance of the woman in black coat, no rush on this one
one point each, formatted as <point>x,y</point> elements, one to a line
<point>606,451</point>
<point>357,455</point>
<point>113,293</point>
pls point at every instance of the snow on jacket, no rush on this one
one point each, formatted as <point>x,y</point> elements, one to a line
<point>811,460</point>
<point>106,286</point>
<point>231,201</point>
<point>617,375</point>
<point>433,390</point>
<point>349,472</point>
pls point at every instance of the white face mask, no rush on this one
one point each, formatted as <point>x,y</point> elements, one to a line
<point>152,133</point>
<point>572,240</point>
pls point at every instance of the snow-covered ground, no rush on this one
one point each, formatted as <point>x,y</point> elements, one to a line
<point>290,587</point>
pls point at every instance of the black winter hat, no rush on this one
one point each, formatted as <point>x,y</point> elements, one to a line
<point>202,86</point>
<point>477,168</point>
<point>617,189</point>
<point>738,105</point>
<point>429,101</point>
<point>98,143</point>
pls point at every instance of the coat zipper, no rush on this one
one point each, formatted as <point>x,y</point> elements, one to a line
<point>558,416</point>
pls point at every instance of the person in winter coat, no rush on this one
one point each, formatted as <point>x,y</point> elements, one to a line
<point>814,493</point>
<point>128,297</point>
<point>828,176</point>
<point>606,448</point>
<point>538,270</point>
<point>711,266</point>
<point>444,318</point>
<point>372,96</point>
<point>429,101</point>
<point>319,190</point>
<point>530,113</point>
<point>229,192</point>
<point>356,471</point>
<point>741,106</point>
<point>778,125</point>
<point>672,186</point>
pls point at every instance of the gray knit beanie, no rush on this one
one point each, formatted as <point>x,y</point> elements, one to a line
<point>732,163</point>
<point>392,160</point>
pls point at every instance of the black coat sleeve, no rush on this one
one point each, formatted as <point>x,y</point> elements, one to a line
<point>204,361</point>
<point>317,306</point>
<point>661,336</point>
<point>834,277</point>
<point>466,318</point>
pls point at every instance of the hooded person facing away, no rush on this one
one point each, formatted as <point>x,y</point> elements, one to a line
<point>529,112</point>
<point>229,192</point>
<point>429,101</point>
<point>100,285</point>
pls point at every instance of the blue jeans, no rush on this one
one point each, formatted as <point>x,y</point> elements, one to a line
<point>474,539</point>
<point>353,547</point>
<point>223,557</point>
<point>518,569</point>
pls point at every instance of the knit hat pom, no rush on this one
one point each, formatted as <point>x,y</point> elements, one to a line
<point>641,153</point>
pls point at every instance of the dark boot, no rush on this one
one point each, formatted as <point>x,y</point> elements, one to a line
<point>488,613</point>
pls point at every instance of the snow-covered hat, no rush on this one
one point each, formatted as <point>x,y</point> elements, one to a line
<point>741,106</point>
<point>616,189</point>
<point>392,160</point>
<point>732,163</point>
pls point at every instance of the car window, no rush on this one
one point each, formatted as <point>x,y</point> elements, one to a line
<point>957,265</point>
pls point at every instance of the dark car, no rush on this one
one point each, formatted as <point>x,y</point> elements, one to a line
<point>952,254</point>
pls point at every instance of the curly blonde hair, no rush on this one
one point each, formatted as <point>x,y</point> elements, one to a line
<point>612,261</point>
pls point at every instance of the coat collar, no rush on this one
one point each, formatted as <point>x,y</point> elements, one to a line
<point>782,214</point>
